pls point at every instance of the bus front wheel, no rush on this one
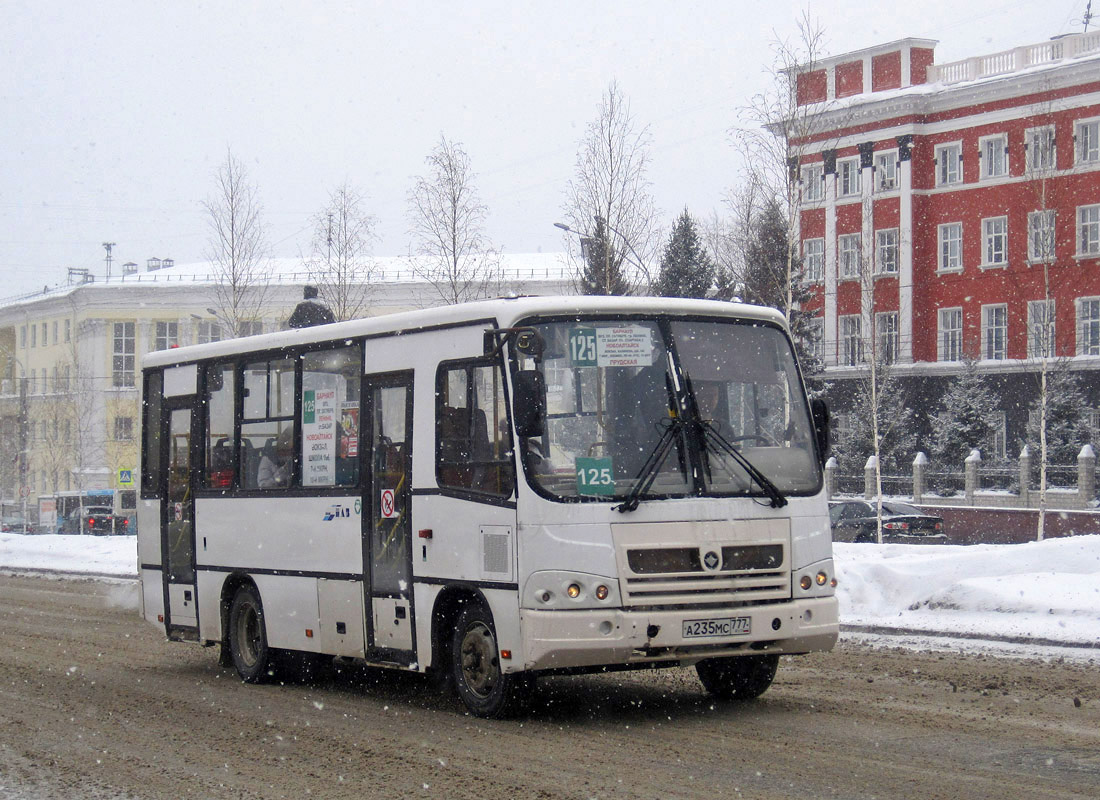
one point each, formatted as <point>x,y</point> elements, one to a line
<point>737,678</point>
<point>475,668</point>
<point>248,636</point>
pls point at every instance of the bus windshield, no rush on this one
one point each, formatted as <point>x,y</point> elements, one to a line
<point>619,391</point>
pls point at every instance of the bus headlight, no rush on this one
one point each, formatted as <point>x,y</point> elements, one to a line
<point>559,589</point>
<point>815,580</point>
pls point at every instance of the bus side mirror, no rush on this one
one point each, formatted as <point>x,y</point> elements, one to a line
<point>529,407</point>
<point>820,411</point>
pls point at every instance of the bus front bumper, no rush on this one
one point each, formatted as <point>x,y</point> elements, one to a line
<point>595,637</point>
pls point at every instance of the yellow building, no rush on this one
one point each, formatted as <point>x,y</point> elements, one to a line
<point>70,359</point>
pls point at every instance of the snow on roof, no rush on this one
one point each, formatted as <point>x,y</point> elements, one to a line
<point>513,268</point>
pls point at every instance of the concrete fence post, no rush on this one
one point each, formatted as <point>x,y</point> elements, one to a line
<point>1025,476</point>
<point>830,478</point>
<point>920,464</point>
<point>1086,474</point>
<point>973,462</point>
<point>869,478</point>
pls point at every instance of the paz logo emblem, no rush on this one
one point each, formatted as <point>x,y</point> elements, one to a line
<point>711,560</point>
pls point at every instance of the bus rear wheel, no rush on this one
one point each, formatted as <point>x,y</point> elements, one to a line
<point>737,678</point>
<point>475,668</point>
<point>252,657</point>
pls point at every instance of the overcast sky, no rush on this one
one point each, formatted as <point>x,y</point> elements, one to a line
<point>116,114</point>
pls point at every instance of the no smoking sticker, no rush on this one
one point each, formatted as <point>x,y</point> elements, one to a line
<point>386,504</point>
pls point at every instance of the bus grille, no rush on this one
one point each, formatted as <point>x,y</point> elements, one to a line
<point>692,563</point>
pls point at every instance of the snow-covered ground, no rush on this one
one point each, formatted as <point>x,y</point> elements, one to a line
<point>1040,598</point>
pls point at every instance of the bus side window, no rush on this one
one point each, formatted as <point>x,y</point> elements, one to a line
<point>221,441</point>
<point>474,444</point>
<point>330,416</point>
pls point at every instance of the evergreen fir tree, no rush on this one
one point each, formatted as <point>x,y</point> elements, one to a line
<point>603,265</point>
<point>1067,421</point>
<point>897,441</point>
<point>966,420</point>
<point>765,282</point>
<point>686,268</point>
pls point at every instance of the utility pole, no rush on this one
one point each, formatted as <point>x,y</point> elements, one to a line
<point>108,246</point>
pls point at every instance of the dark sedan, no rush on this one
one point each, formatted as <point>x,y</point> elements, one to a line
<point>855,521</point>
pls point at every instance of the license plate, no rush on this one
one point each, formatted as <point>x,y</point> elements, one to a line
<point>726,626</point>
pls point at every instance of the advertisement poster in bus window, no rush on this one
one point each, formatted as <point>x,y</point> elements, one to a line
<point>319,437</point>
<point>349,430</point>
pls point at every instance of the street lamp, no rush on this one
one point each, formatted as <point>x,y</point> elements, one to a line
<point>636,261</point>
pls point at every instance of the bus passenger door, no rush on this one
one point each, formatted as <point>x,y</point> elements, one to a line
<point>177,524</point>
<point>387,547</point>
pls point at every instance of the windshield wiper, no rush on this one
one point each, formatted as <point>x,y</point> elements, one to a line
<point>648,473</point>
<point>712,438</point>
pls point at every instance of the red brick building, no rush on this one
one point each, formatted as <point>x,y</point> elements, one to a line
<point>939,203</point>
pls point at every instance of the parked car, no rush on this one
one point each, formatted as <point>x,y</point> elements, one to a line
<point>96,520</point>
<point>11,524</point>
<point>855,521</point>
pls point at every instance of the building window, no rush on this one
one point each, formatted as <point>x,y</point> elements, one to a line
<point>168,335</point>
<point>814,259</point>
<point>1088,327</point>
<point>23,336</point>
<point>45,335</point>
<point>993,156</point>
<point>55,339</point>
<point>209,331</point>
<point>851,335</point>
<point>948,164</point>
<point>1088,231</point>
<point>1040,235</point>
<point>950,338</point>
<point>124,429</point>
<point>1086,135</point>
<point>1040,329</point>
<point>849,177</point>
<point>250,327</point>
<point>998,439</point>
<point>850,255</point>
<point>995,236</point>
<point>34,336</point>
<point>815,332</point>
<point>1039,148</point>
<point>886,171</point>
<point>68,330</point>
<point>995,332</point>
<point>950,236</point>
<point>886,327</point>
<point>122,362</point>
<point>813,183</point>
<point>886,251</point>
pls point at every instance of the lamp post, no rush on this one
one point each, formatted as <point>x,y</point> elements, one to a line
<point>636,261</point>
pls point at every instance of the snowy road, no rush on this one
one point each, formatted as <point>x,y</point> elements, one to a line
<point>93,704</point>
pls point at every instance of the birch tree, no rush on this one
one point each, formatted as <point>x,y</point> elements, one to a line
<point>340,263</point>
<point>237,247</point>
<point>447,223</point>
<point>610,191</point>
<point>774,138</point>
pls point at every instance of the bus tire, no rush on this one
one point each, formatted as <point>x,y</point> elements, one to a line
<point>252,657</point>
<point>475,668</point>
<point>739,677</point>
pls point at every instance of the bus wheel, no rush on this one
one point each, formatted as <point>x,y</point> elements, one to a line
<point>248,636</point>
<point>475,666</point>
<point>738,678</point>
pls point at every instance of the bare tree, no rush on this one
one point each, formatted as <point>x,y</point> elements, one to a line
<point>340,263</point>
<point>447,222</point>
<point>775,136</point>
<point>237,247</point>
<point>608,199</point>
